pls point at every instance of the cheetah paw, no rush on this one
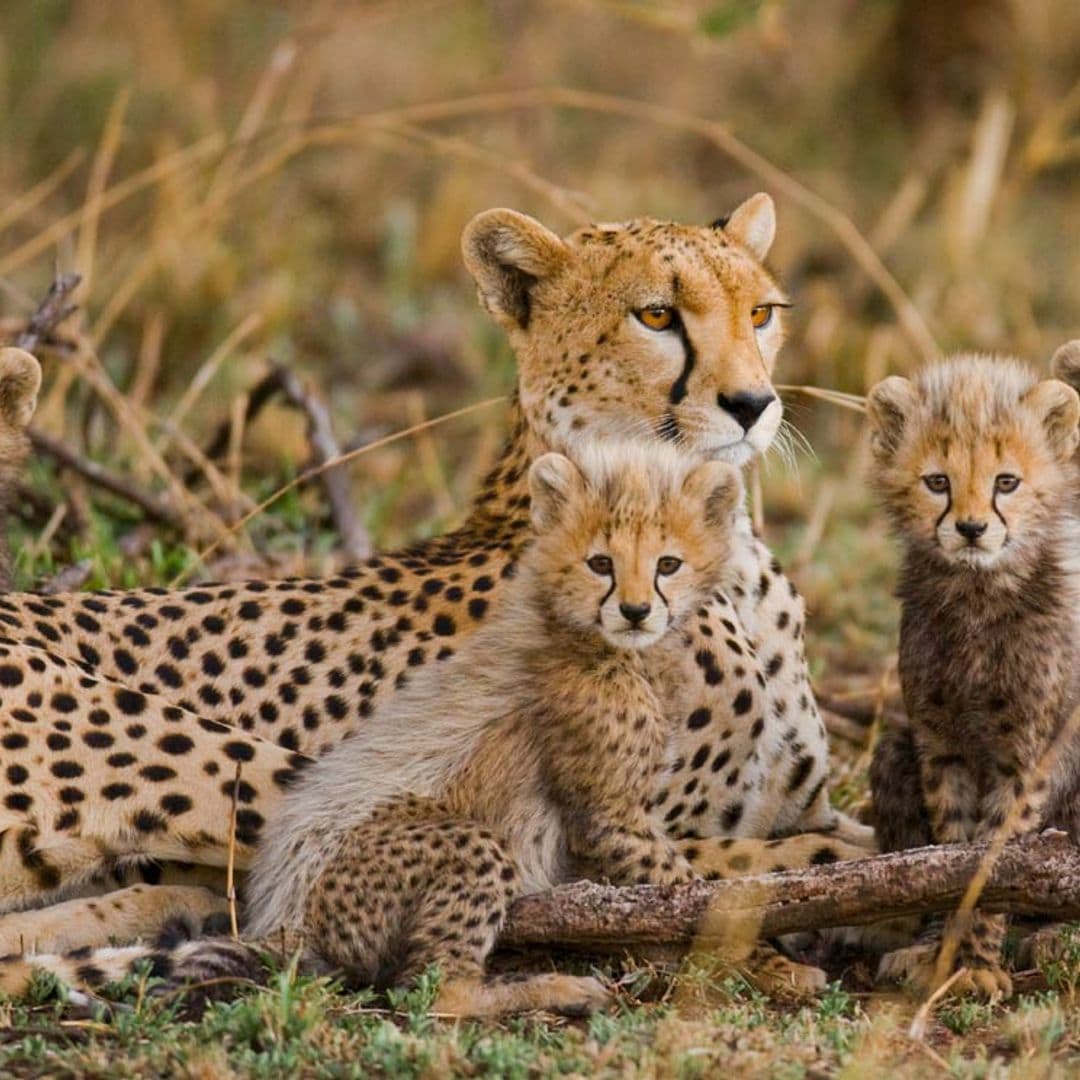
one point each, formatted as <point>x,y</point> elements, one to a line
<point>917,967</point>
<point>913,965</point>
<point>782,977</point>
<point>576,995</point>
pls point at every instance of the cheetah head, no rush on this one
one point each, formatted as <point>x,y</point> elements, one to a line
<point>630,539</point>
<point>643,329</point>
<point>973,458</point>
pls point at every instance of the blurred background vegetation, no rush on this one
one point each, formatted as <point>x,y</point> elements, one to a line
<point>239,182</point>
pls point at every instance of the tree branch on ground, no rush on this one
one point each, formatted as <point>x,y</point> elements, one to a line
<point>1038,875</point>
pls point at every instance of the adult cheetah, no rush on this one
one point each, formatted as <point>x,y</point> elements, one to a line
<point>127,714</point>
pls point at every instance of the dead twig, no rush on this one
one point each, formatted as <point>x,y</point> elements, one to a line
<point>51,312</point>
<point>354,537</point>
<point>70,579</point>
<point>230,879</point>
<point>101,477</point>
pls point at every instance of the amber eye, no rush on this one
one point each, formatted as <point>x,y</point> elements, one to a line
<point>1005,483</point>
<point>657,318</point>
<point>761,316</point>
<point>938,483</point>
<point>667,564</point>
<point>600,564</point>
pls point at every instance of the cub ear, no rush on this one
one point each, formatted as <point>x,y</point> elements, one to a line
<point>718,486</point>
<point>507,253</point>
<point>887,407</point>
<point>554,480</point>
<point>753,224</point>
<point>20,380</point>
<point>1066,364</point>
<point>1058,407</point>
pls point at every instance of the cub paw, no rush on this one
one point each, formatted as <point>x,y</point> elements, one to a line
<point>577,995</point>
<point>913,965</point>
<point>781,977</point>
<point>916,967</point>
<point>989,981</point>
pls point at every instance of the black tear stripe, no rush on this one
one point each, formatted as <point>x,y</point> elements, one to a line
<point>945,512</point>
<point>659,591</point>
<point>1001,517</point>
<point>678,387</point>
<point>604,598</point>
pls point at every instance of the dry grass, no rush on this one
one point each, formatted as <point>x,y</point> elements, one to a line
<point>244,182</point>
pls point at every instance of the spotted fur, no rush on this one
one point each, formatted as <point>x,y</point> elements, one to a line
<point>975,462</point>
<point>132,711</point>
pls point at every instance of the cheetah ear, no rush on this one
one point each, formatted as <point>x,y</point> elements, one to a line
<point>718,486</point>
<point>753,224</point>
<point>20,380</point>
<point>554,481</point>
<point>1057,405</point>
<point>508,253</point>
<point>887,407</point>
<point>1066,364</point>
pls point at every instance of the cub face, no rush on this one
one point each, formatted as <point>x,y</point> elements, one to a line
<point>639,330</point>
<point>631,539</point>
<point>973,457</point>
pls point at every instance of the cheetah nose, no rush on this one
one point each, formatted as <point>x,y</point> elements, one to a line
<point>971,530</point>
<point>745,407</point>
<point>635,614</point>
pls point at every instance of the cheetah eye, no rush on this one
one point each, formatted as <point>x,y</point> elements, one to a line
<point>600,564</point>
<point>938,483</point>
<point>657,317</point>
<point>761,316</point>
<point>1005,483</point>
<point>667,564</point>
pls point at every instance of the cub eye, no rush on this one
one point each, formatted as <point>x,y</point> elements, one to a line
<point>937,482</point>
<point>761,316</point>
<point>1006,483</point>
<point>600,564</point>
<point>667,564</point>
<point>659,317</point>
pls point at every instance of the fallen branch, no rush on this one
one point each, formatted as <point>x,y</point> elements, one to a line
<point>1036,876</point>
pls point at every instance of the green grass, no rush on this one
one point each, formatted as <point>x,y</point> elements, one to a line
<point>299,1026</point>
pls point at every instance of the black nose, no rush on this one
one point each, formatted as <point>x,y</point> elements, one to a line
<point>635,614</point>
<point>971,530</point>
<point>745,407</point>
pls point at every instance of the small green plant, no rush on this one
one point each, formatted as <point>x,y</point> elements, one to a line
<point>1062,970</point>
<point>965,1014</point>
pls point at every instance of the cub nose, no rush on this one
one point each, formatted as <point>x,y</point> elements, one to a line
<point>745,407</point>
<point>971,530</point>
<point>635,614</point>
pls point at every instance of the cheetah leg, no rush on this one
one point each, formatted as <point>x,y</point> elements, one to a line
<point>634,852</point>
<point>764,966</point>
<point>65,939</point>
<point>822,817</point>
<point>405,895</point>
<point>140,911</point>
<point>117,777</point>
<point>717,858</point>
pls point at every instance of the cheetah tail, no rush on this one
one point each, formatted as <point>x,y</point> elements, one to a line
<point>185,969</point>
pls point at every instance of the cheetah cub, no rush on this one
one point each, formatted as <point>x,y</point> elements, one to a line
<point>525,760</point>
<point>974,462</point>
<point>20,380</point>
